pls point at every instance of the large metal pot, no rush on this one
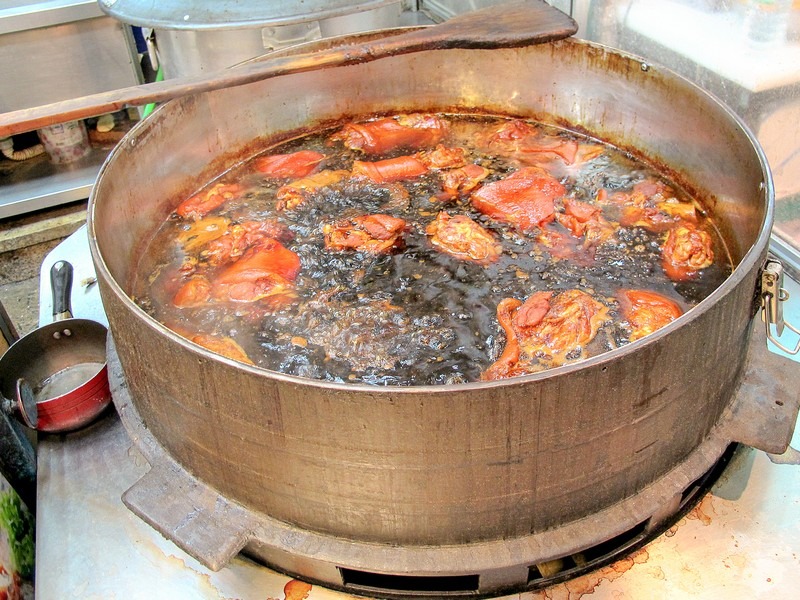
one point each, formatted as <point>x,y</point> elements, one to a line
<point>454,467</point>
<point>193,37</point>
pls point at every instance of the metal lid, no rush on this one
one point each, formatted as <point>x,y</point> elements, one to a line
<point>230,14</point>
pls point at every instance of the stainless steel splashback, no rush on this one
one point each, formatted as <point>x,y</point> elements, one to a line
<point>52,51</point>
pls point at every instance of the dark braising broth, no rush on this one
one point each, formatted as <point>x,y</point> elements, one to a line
<point>429,249</point>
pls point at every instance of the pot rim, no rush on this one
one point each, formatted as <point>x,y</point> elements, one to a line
<point>749,260</point>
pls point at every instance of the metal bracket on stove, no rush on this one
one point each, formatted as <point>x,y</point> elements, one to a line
<point>772,297</point>
<point>766,404</point>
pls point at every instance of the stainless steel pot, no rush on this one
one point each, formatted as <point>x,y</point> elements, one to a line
<point>449,466</point>
<point>196,37</point>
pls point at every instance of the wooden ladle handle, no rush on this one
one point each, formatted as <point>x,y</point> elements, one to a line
<point>520,23</point>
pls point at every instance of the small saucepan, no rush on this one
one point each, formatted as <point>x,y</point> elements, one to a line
<point>63,363</point>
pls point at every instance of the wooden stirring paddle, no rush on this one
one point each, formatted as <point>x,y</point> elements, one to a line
<point>519,23</point>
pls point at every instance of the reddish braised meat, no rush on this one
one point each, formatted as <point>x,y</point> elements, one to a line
<point>269,288</point>
<point>199,233</point>
<point>530,313</point>
<point>524,199</point>
<point>375,234</point>
<point>266,271</point>
<point>546,150</point>
<point>571,323</point>
<point>511,131</point>
<point>651,205</point>
<point>560,245</point>
<point>196,291</point>
<point>241,236</point>
<point>686,251</point>
<point>412,132</point>
<point>660,217</point>
<point>577,214</point>
<point>461,237</point>
<point>545,331</point>
<point>643,193</point>
<point>293,165</point>
<point>456,182</point>
<point>508,363</point>
<point>267,256</point>
<point>532,145</point>
<point>443,157</point>
<point>390,170</point>
<point>647,311</point>
<point>203,203</point>
<point>566,149</point>
<point>294,194</point>
<point>585,220</point>
<point>224,346</point>
<point>385,296</point>
<point>528,143</point>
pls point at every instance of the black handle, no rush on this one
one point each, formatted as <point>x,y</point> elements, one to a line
<point>61,282</point>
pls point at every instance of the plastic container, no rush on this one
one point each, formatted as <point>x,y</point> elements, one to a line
<point>65,142</point>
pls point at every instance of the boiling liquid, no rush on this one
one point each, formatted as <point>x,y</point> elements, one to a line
<point>415,316</point>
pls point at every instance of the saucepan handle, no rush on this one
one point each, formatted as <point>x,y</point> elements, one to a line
<point>22,405</point>
<point>61,274</point>
<point>26,403</point>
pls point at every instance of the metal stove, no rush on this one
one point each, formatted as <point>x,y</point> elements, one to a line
<point>738,537</point>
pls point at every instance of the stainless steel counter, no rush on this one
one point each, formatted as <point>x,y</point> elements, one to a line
<point>53,50</point>
<point>39,183</point>
<point>741,542</point>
